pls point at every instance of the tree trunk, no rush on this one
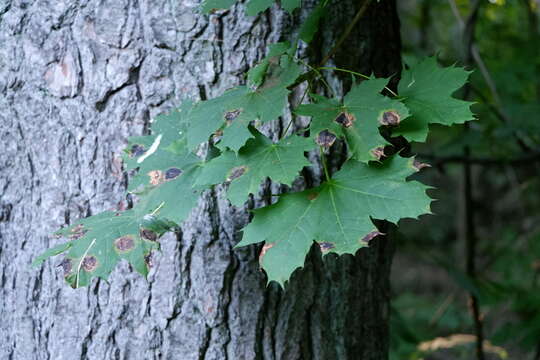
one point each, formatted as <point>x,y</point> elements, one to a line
<point>77,77</point>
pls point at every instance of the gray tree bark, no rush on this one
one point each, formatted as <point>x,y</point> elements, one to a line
<point>77,77</point>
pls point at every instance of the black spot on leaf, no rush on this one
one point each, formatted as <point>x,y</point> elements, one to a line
<point>390,118</point>
<point>89,263</point>
<point>325,139</point>
<point>230,116</point>
<point>148,234</point>
<point>124,243</point>
<point>172,173</point>
<point>345,119</point>
<point>137,150</point>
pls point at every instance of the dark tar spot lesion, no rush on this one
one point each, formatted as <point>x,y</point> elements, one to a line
<point>390,118</point>
<point>137,150</point>
<point>172,173</point>
<point>148,234</point>
<point>325,139</point>
<point>345,119</point>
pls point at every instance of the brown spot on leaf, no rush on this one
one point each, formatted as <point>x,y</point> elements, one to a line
<point>419,165</point>
<point>77,232</point>
<point>390,118</point>
<point>265,248</point>
<point>172,173</point>
<point>326,246</point>
<point>148,234</point>
<point>312,195</point>
<point>378,153</point>
<point>325,139</point>
<point>345,119</point>
<point>371,236</point>
<point>137,150</point>
<point>66,265</point>
<point>156,177</point>
<point>230,116</point>
<point>124,243</point>
<point>89,263</point>
<point>236,172</point>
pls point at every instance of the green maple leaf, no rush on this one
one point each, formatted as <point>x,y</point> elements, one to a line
<point>358,119</point>
<point>323,112</point>
<point>253,7</point>
<point>264,99</point>
<point>166,148</point>
<point>172,195</point>
<point>337,214</point>
<point>427,91</point>
<point>99,242</point>
<point>259,159</point>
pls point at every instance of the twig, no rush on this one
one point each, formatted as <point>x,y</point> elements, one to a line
<point>474,55</point>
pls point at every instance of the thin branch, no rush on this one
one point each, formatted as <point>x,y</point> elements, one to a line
<point>357,74</point>
<point>474,55</point>
<point>469,31</point>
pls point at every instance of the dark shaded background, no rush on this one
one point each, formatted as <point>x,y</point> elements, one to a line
<point>430,281</point>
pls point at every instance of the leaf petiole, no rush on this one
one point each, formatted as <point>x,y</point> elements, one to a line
<point>357,74</point>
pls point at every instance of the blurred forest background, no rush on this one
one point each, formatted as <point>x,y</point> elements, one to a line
<point>481,254</point>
